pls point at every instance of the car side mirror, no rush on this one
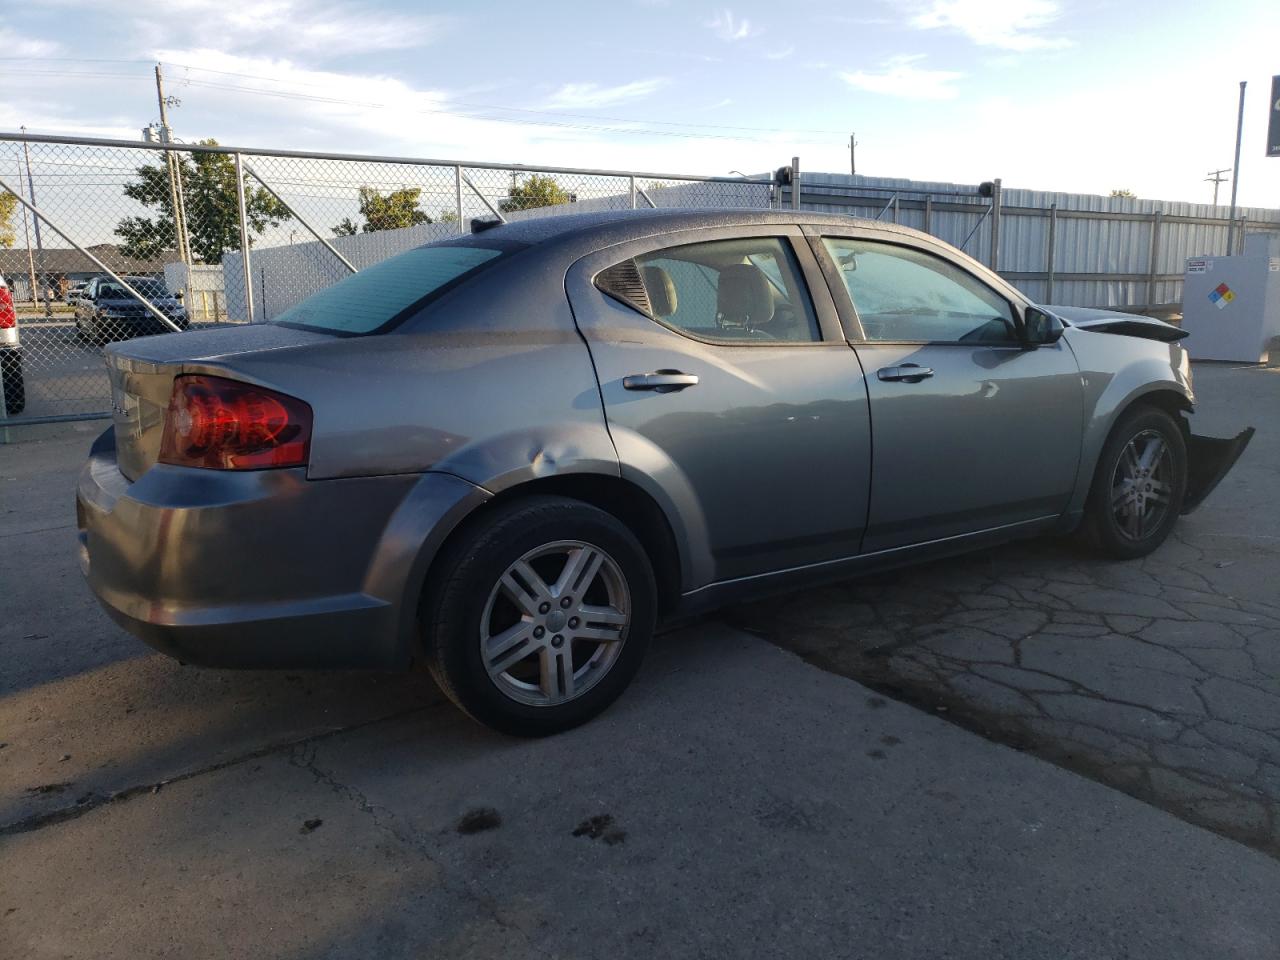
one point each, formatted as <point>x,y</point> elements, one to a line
<point>1040,328</point>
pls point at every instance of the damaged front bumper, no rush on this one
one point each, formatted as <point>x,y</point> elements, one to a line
<point>1209,459</point>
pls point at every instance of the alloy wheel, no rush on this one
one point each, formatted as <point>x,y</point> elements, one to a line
<point>1141,485</point>
<point>555,623</point>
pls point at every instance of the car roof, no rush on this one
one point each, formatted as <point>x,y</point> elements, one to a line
<point>562,238</point>
<point>607,227</point>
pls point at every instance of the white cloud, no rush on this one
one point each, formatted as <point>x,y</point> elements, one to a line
<point>899,77</point>
<point>579,95</point>
<point>780,54</point>
<point>322,103</point>
<point>1007,24</point>
<point>315,27</point>
<point>16,45</point>
<point>728,27</point>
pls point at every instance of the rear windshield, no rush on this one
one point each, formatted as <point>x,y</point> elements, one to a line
<point>384,293</point>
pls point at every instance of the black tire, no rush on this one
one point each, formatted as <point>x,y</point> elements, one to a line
<point>458,607</point>
<point>90,334</point>
<point>1125,537</point>
<point>15,388</point>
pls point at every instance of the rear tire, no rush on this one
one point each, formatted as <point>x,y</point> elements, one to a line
<point>15,388</point>
<point>541,616</point>
<point>1138,485</point>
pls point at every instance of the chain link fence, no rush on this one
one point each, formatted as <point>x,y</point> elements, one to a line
<point>112,239</point>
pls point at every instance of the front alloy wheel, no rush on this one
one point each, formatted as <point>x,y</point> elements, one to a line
<point>1141,485</point>
<point>540,616</point>
<point>1138,486</point>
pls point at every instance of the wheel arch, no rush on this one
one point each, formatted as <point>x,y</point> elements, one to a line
<point>620,498</point>
<point>1166,395</point>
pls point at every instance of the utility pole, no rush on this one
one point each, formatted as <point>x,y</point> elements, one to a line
<point>853,156</point>
<point>26,233</point>
<point>174,167</point>
<point>31,189</point>
<point>1235,177</point>
<point>1216,177</point>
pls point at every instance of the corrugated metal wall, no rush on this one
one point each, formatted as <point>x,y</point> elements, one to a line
<point>1102,245</point>
<point>1112,248</point>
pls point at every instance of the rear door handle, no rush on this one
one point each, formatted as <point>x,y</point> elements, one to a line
<point>661,381</point>
<point>906,373</point>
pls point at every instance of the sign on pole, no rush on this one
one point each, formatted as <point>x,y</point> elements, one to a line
<point>1273,128</point>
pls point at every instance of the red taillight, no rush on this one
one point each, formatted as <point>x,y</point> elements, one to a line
<point>226,425</point>
<point>8,317</point>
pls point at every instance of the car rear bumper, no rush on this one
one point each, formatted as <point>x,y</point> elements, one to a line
<point>264,568</point>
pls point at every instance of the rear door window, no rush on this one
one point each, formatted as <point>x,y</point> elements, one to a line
<point>746,289</point>
<point>381,295</point>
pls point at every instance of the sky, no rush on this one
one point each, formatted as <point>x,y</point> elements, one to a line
<point>1071,95</point>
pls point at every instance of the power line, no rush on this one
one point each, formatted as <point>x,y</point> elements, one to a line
<point>73,60</point>
<point>550,113</point>
<point>600,128</point>
<point>595,127</point>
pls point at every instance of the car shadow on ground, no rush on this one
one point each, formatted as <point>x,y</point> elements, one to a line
<point>141,722</point>
<point>76,742</point>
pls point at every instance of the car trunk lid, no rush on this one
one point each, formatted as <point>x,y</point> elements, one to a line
<point>142,371</point>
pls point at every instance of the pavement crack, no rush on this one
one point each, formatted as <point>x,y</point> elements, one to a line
<point>86,804</point>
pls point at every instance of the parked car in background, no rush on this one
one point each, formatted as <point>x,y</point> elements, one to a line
<point>14,386</point>
<point>106,311</point>
<point>75,290</point>
<point>510,455</point>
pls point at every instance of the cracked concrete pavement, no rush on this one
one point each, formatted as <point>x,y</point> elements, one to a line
<point>1160,677</point>
<point>736,802</point>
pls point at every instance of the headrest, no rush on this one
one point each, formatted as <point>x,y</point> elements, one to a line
<point>662,292</point>
<point>744,297</point>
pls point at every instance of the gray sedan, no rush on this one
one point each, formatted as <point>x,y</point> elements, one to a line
<point>511,455</point>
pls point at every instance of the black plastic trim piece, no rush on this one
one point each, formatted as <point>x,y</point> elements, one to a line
<point>1209,459</point>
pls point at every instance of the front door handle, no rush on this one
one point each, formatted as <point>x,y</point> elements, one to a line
<point>660,381</point>
<point>906,373</point>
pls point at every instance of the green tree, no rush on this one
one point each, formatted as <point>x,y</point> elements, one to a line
<point>447,216</point>
<point>537,190</point>
<point>209,196</point>
<point>1123,192</point>
<point>390,211</point>
<point>8,204</point>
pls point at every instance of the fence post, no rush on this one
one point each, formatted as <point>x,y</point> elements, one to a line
<point>928,213</point>
<point>244,239</point>
<point>633,191</point>
<point>457,192</point>
<point>1240,241</point>
<point>1153,258</point>
<point>1053,237</point>
<point>31,263</point>
<point>995,224</point>
<point>795,183</point>
<point>895,208</point>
